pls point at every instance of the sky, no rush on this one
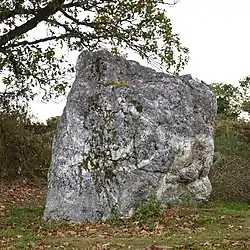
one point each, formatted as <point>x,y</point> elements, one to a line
<point>217,35</point>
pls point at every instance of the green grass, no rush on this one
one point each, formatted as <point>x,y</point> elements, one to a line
<point>237,206</point>
<point>216,225</point>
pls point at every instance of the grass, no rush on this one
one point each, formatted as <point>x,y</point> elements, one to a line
<point>216,225</point>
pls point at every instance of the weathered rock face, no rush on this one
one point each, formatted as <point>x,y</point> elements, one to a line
<point>128,132</point>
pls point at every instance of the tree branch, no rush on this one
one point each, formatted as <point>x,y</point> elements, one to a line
<point>41,15</point>
<point>75,20</point>
<point>23,43</point>
<point>7,14</point>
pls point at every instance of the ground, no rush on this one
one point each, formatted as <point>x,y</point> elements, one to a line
<point>216,225</point>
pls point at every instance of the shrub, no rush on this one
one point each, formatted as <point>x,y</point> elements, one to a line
<point>115,221</point>
<point>25,147</point>
<point>150,208</point>
<point>230,176</point>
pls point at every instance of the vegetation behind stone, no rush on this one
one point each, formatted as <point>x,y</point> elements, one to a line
<point>25,152</point>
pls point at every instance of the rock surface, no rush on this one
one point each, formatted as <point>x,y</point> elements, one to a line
<point>128,132</point>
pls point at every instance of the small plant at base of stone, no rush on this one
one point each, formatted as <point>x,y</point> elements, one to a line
<point>150,208</point>
<point>115,220</point>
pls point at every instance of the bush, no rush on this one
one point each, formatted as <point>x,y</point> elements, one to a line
<point>230,175</point>
<point>150,208</point>
<point>25,147</point>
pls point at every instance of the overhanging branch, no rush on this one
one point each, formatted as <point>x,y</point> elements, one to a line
<point>23,43</point>
<point>4,15</point>
<point>41,15</point>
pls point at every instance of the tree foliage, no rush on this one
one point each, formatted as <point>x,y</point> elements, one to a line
<point>52,122</point>
<point>245,89</point>
<point>228,98</point>
<point>233,100</point>
<point>28,56</point>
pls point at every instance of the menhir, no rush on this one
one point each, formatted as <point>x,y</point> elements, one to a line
<point>127,133</point>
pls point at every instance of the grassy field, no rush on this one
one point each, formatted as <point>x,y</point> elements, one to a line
<point>215,225</point>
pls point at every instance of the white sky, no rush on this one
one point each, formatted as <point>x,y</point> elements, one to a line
<point>217,35</point>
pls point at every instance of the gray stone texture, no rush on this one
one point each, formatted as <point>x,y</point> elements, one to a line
<point>128,132</point>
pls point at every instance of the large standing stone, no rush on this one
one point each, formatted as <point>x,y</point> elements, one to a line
<point>128,132</point>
